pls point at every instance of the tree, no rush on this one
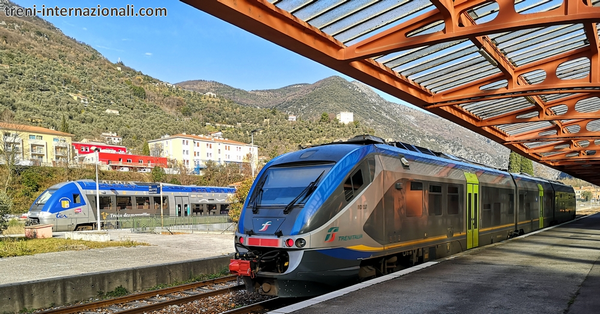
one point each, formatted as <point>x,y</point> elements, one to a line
<point>146,149</point>
<point>514,162</point>
<point>238,199</point>
<point>5,208</point>
<point>324,118</point>
<point>11,148</point>
<point>158,174</point>
<point>587,195</point>
<point>64,126</point>
<point>526,166</point>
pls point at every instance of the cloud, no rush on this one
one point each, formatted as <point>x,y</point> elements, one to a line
<point>125,39</point>
<point>108,48</point>
<point>148,53</point>
<point>85,29</point>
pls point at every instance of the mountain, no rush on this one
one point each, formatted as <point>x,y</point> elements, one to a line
<point>389,120</point>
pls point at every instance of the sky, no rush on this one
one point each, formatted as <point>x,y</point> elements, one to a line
<point>187,44</point>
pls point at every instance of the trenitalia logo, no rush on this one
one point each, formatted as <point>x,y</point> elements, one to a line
<point>265,226</point>
<point>331,234</point>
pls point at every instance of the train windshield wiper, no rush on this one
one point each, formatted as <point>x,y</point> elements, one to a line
<point>304,194</point>
<point>258,195</point>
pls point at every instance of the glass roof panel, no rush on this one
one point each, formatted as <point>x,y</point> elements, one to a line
<point>519,128</point>
<point>591,104</point>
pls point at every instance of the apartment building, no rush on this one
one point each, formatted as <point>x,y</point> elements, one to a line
<point>32,145</point>
<point>194,151</point>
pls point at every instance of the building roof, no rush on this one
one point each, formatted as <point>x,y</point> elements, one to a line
<point>200,138</point>
<point>32,129</point>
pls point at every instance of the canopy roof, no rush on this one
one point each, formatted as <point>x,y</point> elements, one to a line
<point>523,73</point>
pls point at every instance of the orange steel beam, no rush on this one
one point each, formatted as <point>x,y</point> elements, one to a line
<point>397,38</point>
<point>551,85</point>
<point>545,115</point>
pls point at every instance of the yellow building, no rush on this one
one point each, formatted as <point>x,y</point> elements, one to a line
<point>32,145</point>
<point>193,151</point>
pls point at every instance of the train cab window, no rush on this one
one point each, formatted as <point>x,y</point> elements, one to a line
<point>453,204</point>
<point>435,200</point>
<point>352,185</point>
<point>414,200</point>
<point>76,198</point>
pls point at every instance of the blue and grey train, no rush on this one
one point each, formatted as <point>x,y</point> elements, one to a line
<point>72,205</point>
<point>339,213</point>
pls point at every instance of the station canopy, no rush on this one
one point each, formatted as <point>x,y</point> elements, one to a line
<point>523,73</point>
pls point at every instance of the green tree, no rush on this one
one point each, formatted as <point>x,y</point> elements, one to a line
<point>526,166</point>
<point>64,126</point>
<point>514,162</point>
<point>5,208</point>
<point>146,149</point>
<point>324,118</point>
<point>238,199</point>
<point>587,195</point>
<point>158,174</point>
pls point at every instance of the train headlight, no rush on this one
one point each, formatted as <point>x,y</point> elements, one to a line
<point>289,242</point>
<point>300,242</point>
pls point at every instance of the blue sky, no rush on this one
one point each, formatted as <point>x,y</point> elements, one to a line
<point>187,44</point>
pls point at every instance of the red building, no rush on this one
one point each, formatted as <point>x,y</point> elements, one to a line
<point>116,158</point>
<point>86,148</point>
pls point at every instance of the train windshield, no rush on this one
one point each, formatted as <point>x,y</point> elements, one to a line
<point>44,197</point>
<point>281,185</point>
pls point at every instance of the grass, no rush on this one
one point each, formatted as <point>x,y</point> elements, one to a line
<point>10,247</point>
<point>15,226</point>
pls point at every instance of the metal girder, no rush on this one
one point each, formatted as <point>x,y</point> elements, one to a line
<point>457,59</point>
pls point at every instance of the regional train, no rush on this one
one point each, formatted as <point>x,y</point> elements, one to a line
<point>72,205</point>
<point>336,214</point>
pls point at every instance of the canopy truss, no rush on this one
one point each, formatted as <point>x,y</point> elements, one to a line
<point>524,73</point>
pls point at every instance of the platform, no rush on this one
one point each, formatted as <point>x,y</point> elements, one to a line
<point>550,271</point>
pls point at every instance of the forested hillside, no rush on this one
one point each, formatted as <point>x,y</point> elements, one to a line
<point>45,75</point>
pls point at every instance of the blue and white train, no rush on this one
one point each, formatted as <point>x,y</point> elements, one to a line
<point>339,213</point>
<point>72,206</point>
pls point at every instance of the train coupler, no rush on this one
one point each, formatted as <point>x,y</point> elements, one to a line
<point>241,268</point>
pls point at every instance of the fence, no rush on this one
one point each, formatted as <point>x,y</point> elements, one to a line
<point>168,223</point>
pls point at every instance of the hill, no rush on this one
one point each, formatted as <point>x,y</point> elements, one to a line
<point>45,75</point>
<point>389,120</point>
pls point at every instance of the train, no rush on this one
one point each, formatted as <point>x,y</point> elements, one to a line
<point>71,206</point>
<point>344,212</point>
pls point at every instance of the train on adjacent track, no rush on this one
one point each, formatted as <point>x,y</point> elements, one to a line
<point>335,214</point>
<point>72,205</point>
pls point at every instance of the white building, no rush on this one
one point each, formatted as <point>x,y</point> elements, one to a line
<point>193,151</point>
<point>345,117</point>
<point>111,138</point>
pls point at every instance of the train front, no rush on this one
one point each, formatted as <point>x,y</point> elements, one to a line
<point>280,241</point>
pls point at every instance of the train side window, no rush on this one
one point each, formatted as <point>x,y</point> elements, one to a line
<point>352,185</point>
<point>123,202</point>
<point>105,203</point>
<point>142,202</point>
<point>76,198</point>
<point>414,200</point>
<point>453,200</point>
<point>435,200</point>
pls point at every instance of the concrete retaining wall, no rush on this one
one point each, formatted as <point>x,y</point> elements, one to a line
<point>58,291</point>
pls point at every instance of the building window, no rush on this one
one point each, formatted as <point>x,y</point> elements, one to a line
<point>128,160</point>
<point>32,137</point>
<point>140,161</point>
<point>38,137</point>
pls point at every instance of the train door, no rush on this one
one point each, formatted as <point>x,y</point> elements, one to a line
<point>541,202</point>
<point>182,205</point>
<point>472,211</point>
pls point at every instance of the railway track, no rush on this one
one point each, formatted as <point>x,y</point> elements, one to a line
<point>147,302</point>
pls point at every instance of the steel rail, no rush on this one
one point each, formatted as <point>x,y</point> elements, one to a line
<point>139,296</point>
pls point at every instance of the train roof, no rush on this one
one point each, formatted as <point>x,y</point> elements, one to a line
<point>145,186</point>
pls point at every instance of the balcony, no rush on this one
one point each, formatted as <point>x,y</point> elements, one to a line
<point>12,139</point>
<point>38,151</point>
<point>60,144</point>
